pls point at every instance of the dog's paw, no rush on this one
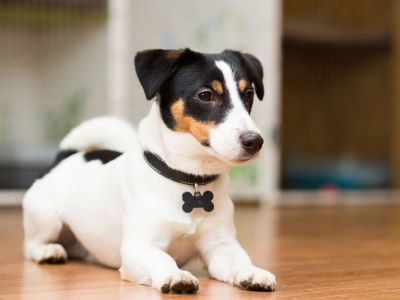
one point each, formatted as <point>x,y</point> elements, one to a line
<point>51,254</point>
<point>255,279</point>
<point>180,282</point>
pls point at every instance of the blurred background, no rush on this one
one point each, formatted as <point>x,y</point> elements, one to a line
<point>330,116</point>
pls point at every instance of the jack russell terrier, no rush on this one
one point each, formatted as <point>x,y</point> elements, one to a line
<point>148,201</point>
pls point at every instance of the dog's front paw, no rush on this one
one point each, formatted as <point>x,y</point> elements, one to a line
<point>51,254</point>
<point>180,282</point>
<point>254,279</point>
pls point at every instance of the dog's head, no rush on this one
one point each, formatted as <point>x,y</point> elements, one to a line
<point>208,96</point>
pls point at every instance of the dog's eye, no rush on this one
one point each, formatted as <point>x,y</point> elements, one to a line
<point>248,95</point>
<point>205,96</point>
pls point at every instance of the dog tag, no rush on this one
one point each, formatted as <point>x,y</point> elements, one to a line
<point>197,200</point>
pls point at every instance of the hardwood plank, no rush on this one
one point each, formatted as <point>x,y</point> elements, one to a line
<point>352,252</point>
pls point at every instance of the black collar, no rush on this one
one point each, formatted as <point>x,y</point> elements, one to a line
<point>161,167</point>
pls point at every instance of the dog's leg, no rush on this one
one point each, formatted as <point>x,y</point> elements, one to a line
<point>145,263</point>
<point>42,227</point>
<point>227,261</point>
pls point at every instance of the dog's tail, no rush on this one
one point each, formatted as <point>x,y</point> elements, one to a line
<point>100,133</point>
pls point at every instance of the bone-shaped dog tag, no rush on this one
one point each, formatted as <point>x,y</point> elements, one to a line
<point>197,200</point>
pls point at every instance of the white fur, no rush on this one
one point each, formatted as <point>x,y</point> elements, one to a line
<point>224,138</point>
<point>127,216</point>
<point>101,132</point>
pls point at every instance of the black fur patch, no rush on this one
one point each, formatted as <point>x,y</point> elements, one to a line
<point>185,74</point>
<point>61,155</point>
<point>105,156</point>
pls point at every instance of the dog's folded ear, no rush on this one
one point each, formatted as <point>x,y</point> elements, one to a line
<point>256,72</point>
<point>154,67</point>
<point>254,69</point>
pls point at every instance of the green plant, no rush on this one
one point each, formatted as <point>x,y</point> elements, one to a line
<point>60,121</point>
<point>247,173</point>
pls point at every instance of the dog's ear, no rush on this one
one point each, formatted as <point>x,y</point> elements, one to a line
<point>154,67</point>
<point>256,73</point>
<point>254,68</point>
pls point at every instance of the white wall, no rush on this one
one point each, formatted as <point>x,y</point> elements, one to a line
<point>40,69</point>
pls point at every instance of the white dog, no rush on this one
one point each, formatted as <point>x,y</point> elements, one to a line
<point>146,202</point>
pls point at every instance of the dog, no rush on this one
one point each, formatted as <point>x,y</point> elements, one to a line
<point>148,201</point>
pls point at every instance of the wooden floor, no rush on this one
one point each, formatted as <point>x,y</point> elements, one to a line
<point>316,253</point>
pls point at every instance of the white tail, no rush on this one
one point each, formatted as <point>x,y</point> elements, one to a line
<point>100,133</point>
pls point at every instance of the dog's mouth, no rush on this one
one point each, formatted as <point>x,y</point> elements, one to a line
<point>243,158</point>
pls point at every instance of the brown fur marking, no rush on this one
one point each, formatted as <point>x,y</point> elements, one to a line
<point>187,124</point>
<point>217,86</point>
<point>242,85</point>
<point>174,54</point>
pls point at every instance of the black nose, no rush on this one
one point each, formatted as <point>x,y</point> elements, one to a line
<point>251,142</point>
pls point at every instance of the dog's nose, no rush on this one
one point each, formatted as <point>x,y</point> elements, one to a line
<point>251,142</point>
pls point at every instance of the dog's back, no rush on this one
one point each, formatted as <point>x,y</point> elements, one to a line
<point>78,168</point>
